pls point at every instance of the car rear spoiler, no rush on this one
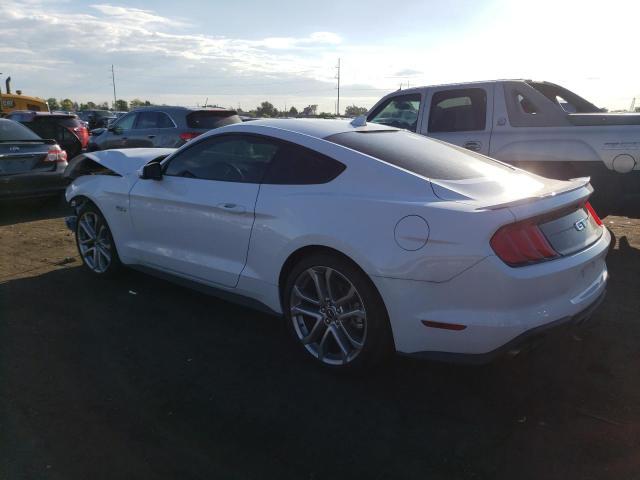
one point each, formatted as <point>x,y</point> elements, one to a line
<point>571,185</point>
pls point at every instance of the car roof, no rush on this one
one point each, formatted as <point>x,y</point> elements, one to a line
<point>44,114</point>
<point>420,88</point>
<point>320,128</point>
<point>172,108</point>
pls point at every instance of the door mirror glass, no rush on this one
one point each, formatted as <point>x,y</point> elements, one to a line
<point>152,171</point>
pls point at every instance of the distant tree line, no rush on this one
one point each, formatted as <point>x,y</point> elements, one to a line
<point>264,110</point>
<point>121,105</point>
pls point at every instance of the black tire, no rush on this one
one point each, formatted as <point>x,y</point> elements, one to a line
<point>377,340</point>
<point>91,214</point>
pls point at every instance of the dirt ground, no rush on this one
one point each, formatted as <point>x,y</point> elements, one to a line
<point>136,378</point>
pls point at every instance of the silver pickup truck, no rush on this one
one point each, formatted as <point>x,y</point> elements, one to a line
<point>538,126</point>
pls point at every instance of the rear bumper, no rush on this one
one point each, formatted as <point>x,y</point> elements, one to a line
<point>27,185</point>
<point>522,341</point>
<point>494,304</point>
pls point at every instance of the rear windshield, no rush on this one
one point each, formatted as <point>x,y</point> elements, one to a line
<point>69,121</point>
<point>426,157</point>
<point>101,113</point>
<point>10,130</point>
<point>208,119</point>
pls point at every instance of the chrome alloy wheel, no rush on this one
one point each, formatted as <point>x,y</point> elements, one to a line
<point>94,242</point>
<point>328,315</point>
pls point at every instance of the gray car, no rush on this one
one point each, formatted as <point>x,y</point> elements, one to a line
<point>163,126</point>
<point>29,165</point>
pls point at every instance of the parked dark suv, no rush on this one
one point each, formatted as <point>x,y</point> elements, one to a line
<point>97,118</point>
<point>66,129</point>
<point>161,127</point>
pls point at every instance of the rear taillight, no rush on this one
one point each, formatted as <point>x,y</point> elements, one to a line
<point>56,154</point>
<point>593,213</point>
<point>521,243</point>
<point>189,136</point>
<point>82,133</point>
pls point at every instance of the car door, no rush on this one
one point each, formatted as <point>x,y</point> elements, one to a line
<point>150,130</point>
<point>196,222</point>
<point>461,116</point>
<point>400,111</point>
<point>117,135</point>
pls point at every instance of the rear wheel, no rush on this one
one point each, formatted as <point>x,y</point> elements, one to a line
<point>95,243</point>
<point>335,313</point>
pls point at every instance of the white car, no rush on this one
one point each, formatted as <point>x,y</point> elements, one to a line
<point>367,238</point>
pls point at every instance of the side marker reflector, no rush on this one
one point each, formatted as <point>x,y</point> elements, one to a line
<point>442,325</point>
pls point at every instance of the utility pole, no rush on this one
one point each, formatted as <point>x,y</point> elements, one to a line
<point>338,102</point>
<point>113,79</point>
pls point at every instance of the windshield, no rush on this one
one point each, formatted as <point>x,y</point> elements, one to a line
<point>418,154</point>
<point>10,130</point>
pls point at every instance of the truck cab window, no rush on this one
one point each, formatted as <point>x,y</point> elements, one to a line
<point>400,112</point>
<point>458,110</point>
<point>526,105</point>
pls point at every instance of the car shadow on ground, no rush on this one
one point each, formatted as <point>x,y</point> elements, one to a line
<point>134,377</point>
<point>21,211</point>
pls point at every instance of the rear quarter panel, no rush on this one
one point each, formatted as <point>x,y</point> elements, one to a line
<point>357,213</point>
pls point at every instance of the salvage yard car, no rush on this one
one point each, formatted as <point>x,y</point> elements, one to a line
<point>160,127</point>
<point>29,165</point>
<point>367,238</point>
<point>66,128</point>
<point>538,126</point>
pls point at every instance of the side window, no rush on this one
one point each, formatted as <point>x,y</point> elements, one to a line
<point>458,110</point>
<point>525,105</point>
<point>566,105</point>
<point>153,120</point>
<point>294,165</point>
<point>164,121</point>
<point>399,112</point>
<point>228,158</point>
<point>126,122</point>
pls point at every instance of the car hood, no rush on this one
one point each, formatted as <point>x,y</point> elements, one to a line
<point>123,162</point>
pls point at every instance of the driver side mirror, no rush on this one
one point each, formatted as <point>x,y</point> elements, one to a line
<point>151,171</point>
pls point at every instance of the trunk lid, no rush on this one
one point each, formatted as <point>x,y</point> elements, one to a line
<point>524,193</point>
<point>556,207</point>
<point>571,231</point>
<point>23,157</point>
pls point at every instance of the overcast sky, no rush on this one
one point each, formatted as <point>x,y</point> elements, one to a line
<point>243,52</point>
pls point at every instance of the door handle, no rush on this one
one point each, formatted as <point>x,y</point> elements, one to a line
<point>151,136</point>
<point>232,207</point>
<point>125,138</point>
<point>473,145</point>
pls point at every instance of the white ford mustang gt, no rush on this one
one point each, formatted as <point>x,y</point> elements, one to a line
<point>367,238</point>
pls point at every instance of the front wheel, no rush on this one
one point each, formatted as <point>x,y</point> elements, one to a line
<point>335,313</point>
<point>95,243</point>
